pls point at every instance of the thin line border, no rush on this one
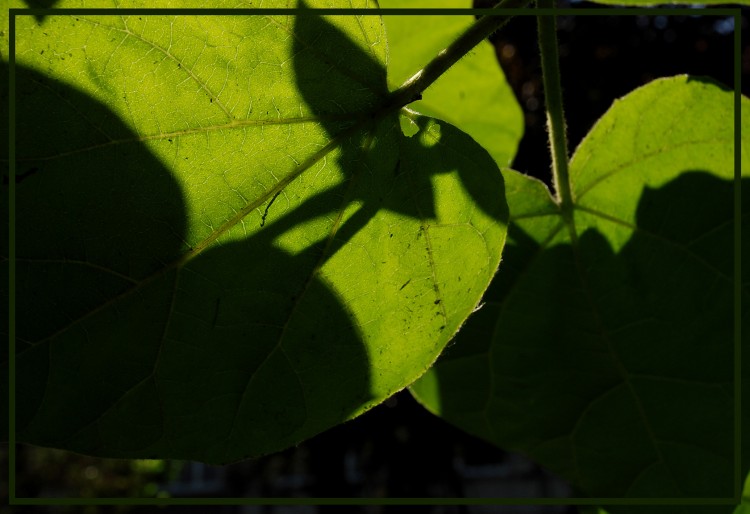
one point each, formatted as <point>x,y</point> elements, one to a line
<point>599,11</point>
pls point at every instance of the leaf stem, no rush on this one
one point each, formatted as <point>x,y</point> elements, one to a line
<point>412,89</point>
<point>547,30</point>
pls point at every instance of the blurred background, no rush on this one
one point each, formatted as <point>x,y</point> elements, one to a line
<point>399,449</point>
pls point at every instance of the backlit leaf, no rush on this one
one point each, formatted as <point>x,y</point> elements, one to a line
<point>224,242</point>
<point>473,95</point>
<point>605,348</point>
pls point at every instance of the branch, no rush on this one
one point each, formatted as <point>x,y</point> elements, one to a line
<point>412,89</point>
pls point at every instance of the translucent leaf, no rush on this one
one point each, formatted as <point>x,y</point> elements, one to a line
<point>473,95</point>
<point>225,244</point>
<point>604,349</point>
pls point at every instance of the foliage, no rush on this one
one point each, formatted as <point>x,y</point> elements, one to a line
<point>238,242</point>
<point>609,327</point>
<point>243,261</point>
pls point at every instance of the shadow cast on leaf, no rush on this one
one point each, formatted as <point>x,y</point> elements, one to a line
<point>41,4</point>
<point>125,351</point>
<point>614,369</point>
<point>384,170</point>
<point>134,342</point>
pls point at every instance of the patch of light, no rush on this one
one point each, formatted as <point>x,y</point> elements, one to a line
<point>724,26</point>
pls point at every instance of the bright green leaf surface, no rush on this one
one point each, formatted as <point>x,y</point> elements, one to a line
<point>225,244</point>
<point>605,350</point>
<point>473,95</point>
<point>744,508</point>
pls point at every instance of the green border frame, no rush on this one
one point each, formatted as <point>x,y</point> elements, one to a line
<point>600,11</point>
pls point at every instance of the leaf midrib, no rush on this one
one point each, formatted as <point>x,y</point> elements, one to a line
<point>579,193</point>
<point>659,237</point>
<point>362,121</point>
<point>233,125</point>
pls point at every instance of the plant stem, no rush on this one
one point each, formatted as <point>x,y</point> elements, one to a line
<point>555,117</point>
<point>412,89</point>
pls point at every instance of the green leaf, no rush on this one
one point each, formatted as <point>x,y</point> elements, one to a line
<point>744,507</point>
<point>473,95</point>
<point>225,243</point>
<point>604,349</point>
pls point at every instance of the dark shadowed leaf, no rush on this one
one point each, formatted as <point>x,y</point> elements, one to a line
<point>225,244</point>
<point>605,347</point>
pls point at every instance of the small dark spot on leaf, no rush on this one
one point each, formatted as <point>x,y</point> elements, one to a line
<point>437,302</point>
<point>442,328</point>
<point>169,140</point>
<point>41,53</point>
<point>211,100</point>
<point>265,213</point>
<point>390,235</point>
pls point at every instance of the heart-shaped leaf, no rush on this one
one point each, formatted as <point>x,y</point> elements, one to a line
<point>605,346</point>
<point>225,243</point>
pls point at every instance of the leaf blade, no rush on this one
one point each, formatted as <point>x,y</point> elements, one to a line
<point>225,281</point>
<point>594,351</point>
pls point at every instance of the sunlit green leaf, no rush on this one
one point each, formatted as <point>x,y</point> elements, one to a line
<point>225,244</point>
<point>473,95</point>
<point>744,507</point>
<point>604,349</point>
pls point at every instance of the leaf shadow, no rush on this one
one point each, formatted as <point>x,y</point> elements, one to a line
<point>328,75</point>
<point>127,349</point>
<point>41,4</point>
<point>123,349</point>
<point>660,309</point>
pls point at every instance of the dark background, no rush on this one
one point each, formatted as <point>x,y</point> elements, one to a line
<point>398,449</point>
<point>604,58</point>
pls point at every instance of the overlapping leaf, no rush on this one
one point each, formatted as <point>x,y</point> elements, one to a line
<point>225,244</point>
<point>473,95</point>
<point>605,347</point>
